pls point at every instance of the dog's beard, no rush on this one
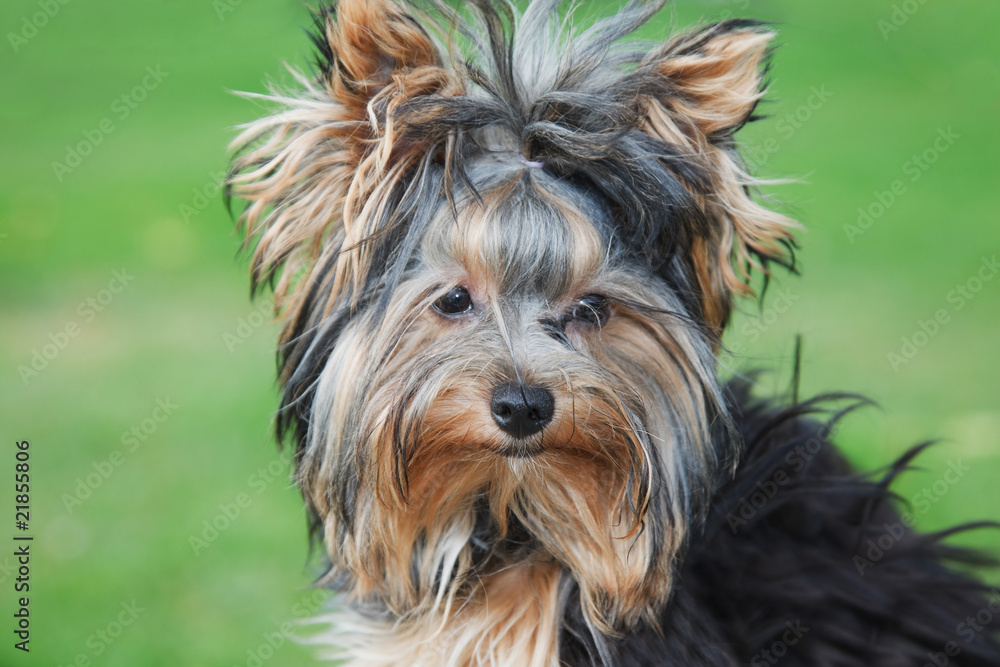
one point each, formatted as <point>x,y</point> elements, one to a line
<point>622,179</point>
<point>422,498</point>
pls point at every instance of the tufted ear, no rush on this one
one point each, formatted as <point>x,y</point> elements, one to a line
<point>714,79</point>
<point>314,172</point>
<point>717,72</point>
<point>367,45</point>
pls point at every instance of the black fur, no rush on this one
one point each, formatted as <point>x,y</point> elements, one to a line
<point>782,584</point>
<point>787,576</point>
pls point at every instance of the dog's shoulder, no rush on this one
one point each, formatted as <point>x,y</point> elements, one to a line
<point>802,561</point>
<point>801,558</point>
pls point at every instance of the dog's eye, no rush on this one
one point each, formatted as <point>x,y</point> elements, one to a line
<point>457,300</point>
<point>593,309</point>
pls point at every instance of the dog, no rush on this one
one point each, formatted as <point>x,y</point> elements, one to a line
<point>505,254</point>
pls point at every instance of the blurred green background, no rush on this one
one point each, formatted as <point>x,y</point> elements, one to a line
<point>859,89</point>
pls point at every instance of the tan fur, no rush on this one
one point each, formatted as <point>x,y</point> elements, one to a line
<point>571,495</point>
<point>314,173</point>
<point>720,85</point>
<point>402,400</point>
<point>511,619</point>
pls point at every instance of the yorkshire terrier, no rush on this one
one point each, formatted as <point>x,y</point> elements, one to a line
<point>505,255</point>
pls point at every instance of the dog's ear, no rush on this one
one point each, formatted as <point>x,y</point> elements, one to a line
<point>713,79</point>
<point>717,74</point>
<point>316,173</point>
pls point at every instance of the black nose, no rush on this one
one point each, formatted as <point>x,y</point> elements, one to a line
<point>522,410</point>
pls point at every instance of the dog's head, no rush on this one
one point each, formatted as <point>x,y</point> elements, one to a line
<point>505,257</point>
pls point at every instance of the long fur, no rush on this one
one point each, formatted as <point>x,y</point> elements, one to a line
<point>540,171</point>
<point>787,544</point>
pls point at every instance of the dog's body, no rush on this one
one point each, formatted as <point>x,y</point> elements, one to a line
<point>785,572</point>
<point>505,260</point>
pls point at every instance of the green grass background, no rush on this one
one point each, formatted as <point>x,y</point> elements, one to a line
<point>164,335</point>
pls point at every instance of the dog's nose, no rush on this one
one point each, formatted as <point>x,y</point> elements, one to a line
<point>522,410</point>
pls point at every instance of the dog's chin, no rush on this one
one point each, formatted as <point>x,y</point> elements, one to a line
<point>520,449</point>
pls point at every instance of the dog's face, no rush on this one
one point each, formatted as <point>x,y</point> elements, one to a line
<point>505,278</point>
<point>522,370</point>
